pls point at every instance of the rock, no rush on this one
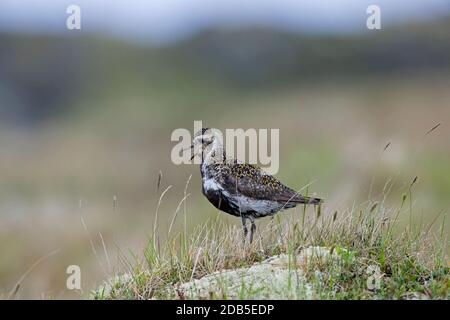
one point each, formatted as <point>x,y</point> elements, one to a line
<point>278,277</point>
<point>114,285</point>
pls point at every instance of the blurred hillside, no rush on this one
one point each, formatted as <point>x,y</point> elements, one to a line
<point>42,76</point>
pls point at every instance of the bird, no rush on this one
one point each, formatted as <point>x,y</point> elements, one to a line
<point>240,189</point>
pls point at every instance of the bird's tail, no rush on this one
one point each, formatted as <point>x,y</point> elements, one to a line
<point>309,200</point>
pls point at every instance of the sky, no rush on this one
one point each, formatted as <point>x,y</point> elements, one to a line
<point>169,20</point>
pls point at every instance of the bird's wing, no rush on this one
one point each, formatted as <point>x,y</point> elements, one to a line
<point>251,181</point>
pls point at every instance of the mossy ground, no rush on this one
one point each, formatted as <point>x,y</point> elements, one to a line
<point>411,259</point>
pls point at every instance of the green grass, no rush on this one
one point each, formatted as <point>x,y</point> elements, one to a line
<point>412,259</point>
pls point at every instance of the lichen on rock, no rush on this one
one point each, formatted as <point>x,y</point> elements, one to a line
<point>278,277</point>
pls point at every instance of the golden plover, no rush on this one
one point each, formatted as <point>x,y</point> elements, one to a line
<point>240,189</point>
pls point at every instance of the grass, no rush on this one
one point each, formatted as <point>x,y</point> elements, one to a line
<point>410,257</point>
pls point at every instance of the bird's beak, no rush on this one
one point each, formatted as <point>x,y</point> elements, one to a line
<point>191,148</point>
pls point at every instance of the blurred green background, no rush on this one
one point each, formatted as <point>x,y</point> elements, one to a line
<point>86,119</point>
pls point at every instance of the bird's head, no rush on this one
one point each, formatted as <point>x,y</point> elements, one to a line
<point>204,139</point>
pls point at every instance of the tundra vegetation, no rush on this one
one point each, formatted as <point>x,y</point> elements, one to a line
<point>365,252</point>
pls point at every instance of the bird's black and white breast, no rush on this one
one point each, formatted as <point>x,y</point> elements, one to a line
<point>218,197</point>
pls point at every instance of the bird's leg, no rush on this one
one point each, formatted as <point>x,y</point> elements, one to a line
<point>252,229</point>
<point>244,226</point>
